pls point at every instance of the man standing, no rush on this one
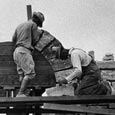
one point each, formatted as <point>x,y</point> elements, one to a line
<point>85,71</point>
<point>25,38</point>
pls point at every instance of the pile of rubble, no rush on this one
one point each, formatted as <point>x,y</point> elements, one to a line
<point>108,57</point>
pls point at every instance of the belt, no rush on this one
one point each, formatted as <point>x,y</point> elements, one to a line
<point>24,47</point>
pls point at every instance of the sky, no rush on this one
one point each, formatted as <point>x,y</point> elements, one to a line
<point>86,24</point>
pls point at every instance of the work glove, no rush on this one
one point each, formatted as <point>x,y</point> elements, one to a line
<point>62,80</point>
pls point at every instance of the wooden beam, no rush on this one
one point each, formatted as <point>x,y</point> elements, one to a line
<point>59,108</point>
<point>59,65</point>
<point>106,65</point>
<point>29,12</point>
<point>55,99</point>
<point>79,109</point>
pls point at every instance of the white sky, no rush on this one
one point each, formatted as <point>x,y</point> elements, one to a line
<point>86,24</point>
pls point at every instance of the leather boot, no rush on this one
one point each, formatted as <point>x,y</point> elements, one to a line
<point>23,87</point>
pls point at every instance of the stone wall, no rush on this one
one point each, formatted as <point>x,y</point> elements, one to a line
<point>64,68</point>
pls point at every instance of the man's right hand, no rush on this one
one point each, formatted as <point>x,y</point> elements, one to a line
<point>62,80</point>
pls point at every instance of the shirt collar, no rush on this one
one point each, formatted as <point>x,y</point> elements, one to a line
<point>71,49</point>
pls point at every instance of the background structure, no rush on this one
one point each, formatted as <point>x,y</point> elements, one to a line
<point>87,24</point>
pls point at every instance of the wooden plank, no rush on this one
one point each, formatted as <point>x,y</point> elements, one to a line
<point>13,82</point>
<point>55,99</point>
<point>57,108</point>
<point>112,105</point>
<point>8,73</point>
<point>40,80</point>
<point>12,70</point>
<point>12,64</point>
<point>106,65</point>
<point>6,48</point>
<point>19,111</point>
<point>59,65</point>
<point>79,109</point>
<point>29,12</point>
<point>70,106</point>
<point>108,74</point>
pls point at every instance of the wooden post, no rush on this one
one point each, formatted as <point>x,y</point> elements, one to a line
<point>29,12</point>
<point>92,54</point>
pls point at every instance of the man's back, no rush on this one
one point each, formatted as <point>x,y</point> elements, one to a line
<point>24,34</point>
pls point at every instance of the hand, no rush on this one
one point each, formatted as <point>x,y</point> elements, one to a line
<point>62,80</point>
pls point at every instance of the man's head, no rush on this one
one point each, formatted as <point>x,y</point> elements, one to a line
<point>38,18</point>
<point>61,53</point>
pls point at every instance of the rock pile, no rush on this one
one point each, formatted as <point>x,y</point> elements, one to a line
<point>108,57</point>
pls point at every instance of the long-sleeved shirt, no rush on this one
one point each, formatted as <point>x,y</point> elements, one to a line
<point>79,58</point>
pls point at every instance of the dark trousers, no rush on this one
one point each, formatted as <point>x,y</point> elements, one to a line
<point>90,82</point>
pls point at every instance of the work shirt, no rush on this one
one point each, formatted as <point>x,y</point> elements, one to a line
<point>26,35</point>
<point>88,73</point>
<point>79,59</point>
<point>25,38</point>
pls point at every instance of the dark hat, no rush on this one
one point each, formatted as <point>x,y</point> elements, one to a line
<point>40,17</point>
<point>56,49</point>
<point>61,52</point>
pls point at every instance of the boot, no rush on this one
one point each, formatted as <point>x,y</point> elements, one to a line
<point>23,87</point>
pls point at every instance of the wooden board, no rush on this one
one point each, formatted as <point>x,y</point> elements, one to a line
<point>67,100</point>
<point>8,75</point>
<point>61,108</point>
